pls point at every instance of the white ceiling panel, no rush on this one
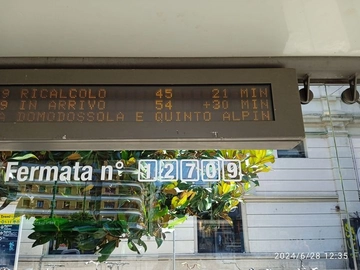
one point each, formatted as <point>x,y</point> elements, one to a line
<point>164,28</point>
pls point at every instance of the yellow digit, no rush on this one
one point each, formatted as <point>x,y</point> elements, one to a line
<point>225,104</point>
<point>159,93</point>
<point>168,105</point>
<point>215,93</point>
<point>225,93</point>
<point>3,105</point>
<point>5,93</point>
<point>168,93</point>
<point>216,104</point>
<point>159,104</point>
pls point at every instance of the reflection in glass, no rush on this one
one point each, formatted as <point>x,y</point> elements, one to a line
<point>90,202</point>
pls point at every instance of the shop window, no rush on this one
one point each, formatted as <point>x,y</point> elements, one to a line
<point>79,205</point>
<point>296,152</point>
<point>67,191</point>
<point>94,205</point>
<point>109,205</point>
<point>218,236</point>
<point>94,192</point>
<point>40,204</point>
<point>28,188</point>
<point>26,203</point>
<point>42,189</point>
<point>66,205</point>
<point>110,190</point>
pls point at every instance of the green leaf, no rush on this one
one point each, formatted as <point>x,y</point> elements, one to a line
<point>256,182</point>
<point>159,241</point>
<point>116,228</point>
<point>226,197</point>
<point>158,213</point>
<point>176,222</point>
<point>133,218</point>
<point>106,250</point>
<point>88,243</point>
<point>86,229</point>
<point>99,234</point>
<point>141,243</point>
<point>183,185</point>
<point>218,209</point>
<point>121,216</point>
<point>50,221</point>
<point>132,246</point>
<point>45,228</point>
<point>42,240</point>
<point>24,157</point>
<point>124,155</point>
<point>51,156</point>
<point>34,235</point>
<point>204,204</point>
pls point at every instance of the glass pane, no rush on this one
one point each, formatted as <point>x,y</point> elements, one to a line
<point>210,209</point>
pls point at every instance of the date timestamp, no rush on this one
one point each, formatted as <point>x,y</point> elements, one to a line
<point>311,255</point>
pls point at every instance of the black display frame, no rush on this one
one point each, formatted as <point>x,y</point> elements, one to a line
<point>286,131</point>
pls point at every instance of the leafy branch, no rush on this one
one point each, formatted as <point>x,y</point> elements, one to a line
<point>145,209</point>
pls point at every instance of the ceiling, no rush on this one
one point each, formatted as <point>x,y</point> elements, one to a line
<point>317,37</point>
<point>163,28</point>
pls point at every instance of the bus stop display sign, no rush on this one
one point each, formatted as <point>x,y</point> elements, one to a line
<point>149,109</point>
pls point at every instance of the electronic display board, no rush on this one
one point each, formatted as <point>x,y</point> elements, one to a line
<point>101,104</point>
<point>149,109</point>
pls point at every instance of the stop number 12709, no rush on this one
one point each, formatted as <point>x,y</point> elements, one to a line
<point>207,170</point>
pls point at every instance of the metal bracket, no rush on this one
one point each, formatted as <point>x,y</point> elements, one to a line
<point>351,95</point>
<point>306,95</point>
